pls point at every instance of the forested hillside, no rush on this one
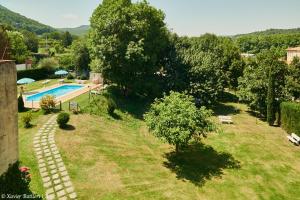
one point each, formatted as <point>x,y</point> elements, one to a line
<point>279,38</point>
<point>81,30</point>
<point>20,22</point>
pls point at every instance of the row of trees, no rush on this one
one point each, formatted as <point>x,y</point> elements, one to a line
<point>131,46</point>
<point>268,81</point>
<point>256,43</point>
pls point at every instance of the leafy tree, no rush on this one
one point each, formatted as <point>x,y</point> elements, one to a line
<point>206,65</point>
<point>67,39</point>
<point>293,79</point>
<point>175,119</point>
<point>127,40</point>
<point>174,71</point>
<point>207,79</point>
<point>66,61</point>
<point>31,41</point>
<point>18,48</point>
<point>81,56</point>
<point>253,86</point>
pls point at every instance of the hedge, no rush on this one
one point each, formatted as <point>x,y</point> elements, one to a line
<point>36,74</point>
<point>290,117</point>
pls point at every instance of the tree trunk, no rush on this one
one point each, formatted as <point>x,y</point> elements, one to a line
<point>177,148</point>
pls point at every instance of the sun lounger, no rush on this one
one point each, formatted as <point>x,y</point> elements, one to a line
<point>61,80</point>
<point>294,139</point>
<point>46,82</point>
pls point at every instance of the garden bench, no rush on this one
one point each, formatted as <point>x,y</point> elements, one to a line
<point>294,139</point>
<point>226,119</point>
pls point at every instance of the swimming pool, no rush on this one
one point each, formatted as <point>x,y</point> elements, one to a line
<point>57,92</point>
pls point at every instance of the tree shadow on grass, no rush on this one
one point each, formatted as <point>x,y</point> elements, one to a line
<point>116,116</point>
<point>135,105</point>
<point>68,127</point>
<point>223,109</point>
<point>199,163</point>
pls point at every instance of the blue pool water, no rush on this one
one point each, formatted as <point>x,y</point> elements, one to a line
<point>57,92</point>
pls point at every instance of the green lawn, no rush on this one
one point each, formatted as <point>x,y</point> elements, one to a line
<point>26,151</point>
<point>117,158</point>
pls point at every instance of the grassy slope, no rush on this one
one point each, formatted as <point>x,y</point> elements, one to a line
<point>118,159</point>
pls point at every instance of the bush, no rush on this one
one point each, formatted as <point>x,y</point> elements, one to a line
<point>290,117</point>
<point>70,76</point>
<point>63,119</point>
<point>21,106</point>
<point>83,77</point>
<point>26,119</point>
<point>111,106</point>
<point>36,74</point>
<point>15,181</point>
<point>48,63</point>
<point>47,103</point>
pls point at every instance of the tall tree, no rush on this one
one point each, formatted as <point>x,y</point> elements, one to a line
<point>127,39</point>
<point>271,98</point>
<point>18,48</point>
<point>81,56</point>
<point>31,41</point>
<point>293,80</point>
<point>253,86</point>
<point>67,39</point>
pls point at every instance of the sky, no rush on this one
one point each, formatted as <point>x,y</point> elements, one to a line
<point>185,17</point>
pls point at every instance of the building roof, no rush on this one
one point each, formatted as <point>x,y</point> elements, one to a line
<point>294,49</point>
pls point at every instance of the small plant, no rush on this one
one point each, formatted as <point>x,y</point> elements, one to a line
<point>47,103</point>
<point>21,107</point>
<point>63,119</point>
<point>70,76</point>
<point>25,174</point>
<point>111,106</point>
<point>26,120</point>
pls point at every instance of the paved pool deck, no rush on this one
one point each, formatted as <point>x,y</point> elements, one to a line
<point>36,104</point>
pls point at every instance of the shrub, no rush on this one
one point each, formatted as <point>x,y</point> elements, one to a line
<point>83,77</point>
<point>70,76</point>
<point>15,181</point>
<point>111,106</point>
<point>290,117</point>
<point>62,119</point>
<point>36,74</point>
<point>21,103</point>
<point>26,120</point>
<point>48,63</point>
<point>47,103</point>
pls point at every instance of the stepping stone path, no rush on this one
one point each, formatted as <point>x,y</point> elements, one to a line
<point>54,174</point>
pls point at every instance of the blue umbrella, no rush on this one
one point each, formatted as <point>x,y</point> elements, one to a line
<point>61,72</point>
<point>25,81</point>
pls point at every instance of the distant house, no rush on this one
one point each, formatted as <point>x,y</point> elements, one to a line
<point>25,66</point>
<point>292,53</point>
